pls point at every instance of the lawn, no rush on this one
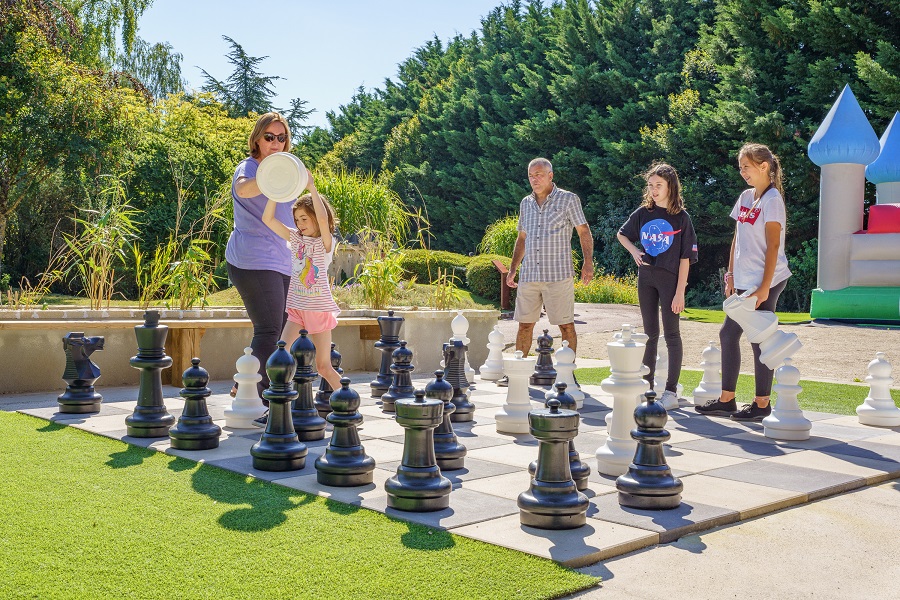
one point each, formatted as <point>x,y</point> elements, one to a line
<point>91,517</point>
<point>835,398</point>
<point>706,315</point>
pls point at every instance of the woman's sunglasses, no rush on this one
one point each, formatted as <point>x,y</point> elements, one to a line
<point>271,137</point>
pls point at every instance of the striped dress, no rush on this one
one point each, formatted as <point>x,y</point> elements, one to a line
<point>310,288</point>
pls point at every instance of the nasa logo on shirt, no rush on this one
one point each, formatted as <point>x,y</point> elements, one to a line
<point>657,236</point>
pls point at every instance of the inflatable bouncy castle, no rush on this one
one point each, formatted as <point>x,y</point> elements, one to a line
<point>858,275</point>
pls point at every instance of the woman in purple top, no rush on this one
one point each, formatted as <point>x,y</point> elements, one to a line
<point>259,262</point>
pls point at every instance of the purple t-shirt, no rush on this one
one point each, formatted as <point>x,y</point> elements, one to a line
<point>252,244</point>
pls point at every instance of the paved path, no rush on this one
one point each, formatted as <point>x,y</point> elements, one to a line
<point>731,474</point>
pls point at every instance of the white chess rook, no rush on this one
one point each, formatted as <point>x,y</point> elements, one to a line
<point>492,369</point>
<point>761,327</point>
<point>460,327</point>
<point>710,387</point>
<point>879,409</point>
<point>787,421</point>
<point>513,416</point>
<point>626,386</point>
<point>565,373</point>
<point>246,405</point>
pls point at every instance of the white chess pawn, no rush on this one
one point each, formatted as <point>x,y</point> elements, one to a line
<point>710,387</point>
<point>460,327</point>
<point>878,408</point>
<point>246,405</point>
<point>565,373</point>
<point>787,421</point>
<point>492,369</point>
<point>513,416</point>
<point>626,386</point>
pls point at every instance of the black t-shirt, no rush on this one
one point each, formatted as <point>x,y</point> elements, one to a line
<point>666,238</point>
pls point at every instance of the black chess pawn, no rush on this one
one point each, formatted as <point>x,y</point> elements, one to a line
<point>544,373</point>
<point>390,341</point>
<point>455,374</point>
<point>195,429</point>
<point>307,422</point>
<point>80,374</point>
<point>401,386</point>
<point>324,393</point>
<point>418,485</point>
<point>580,470</point>
<point>552,501</point>
<point>345,462</point>
<point>450,454</point>
<point>649,482</point>
<point>150,418</point>
<point>279,449</point>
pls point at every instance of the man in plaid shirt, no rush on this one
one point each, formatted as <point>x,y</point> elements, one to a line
<point>544,249</point>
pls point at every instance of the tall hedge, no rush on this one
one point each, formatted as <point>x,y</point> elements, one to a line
<point>424,265</point>
<point>482,277</point>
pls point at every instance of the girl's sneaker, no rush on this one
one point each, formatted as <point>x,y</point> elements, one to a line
<point>752,412</point>
<point>717,408</point>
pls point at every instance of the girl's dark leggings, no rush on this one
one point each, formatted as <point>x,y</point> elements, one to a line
<point>730,340</point>
<point>656,289</point>
<point>264,294</point>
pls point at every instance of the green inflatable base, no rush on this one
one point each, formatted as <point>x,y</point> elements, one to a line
<point>862,304</point>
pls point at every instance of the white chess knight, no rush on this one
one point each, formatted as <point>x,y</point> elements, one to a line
<point>513,416</point>
<point>761,327</point>
<point>710,387</point>
<point>626,385</point>
<point>878,408</point>
<point>787,421</point>
<point>565,373</point>
<point>460,327</point>
<point>246,405</point>
<point>492,369</point>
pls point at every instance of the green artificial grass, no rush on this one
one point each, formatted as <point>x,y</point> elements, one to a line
<point>83,516</point>
<point>820,396</point>
<point>706,315</point>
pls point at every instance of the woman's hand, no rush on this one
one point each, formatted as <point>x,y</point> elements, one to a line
<point>637,255</point>
<point>678,302</point>
<point>729,288</point>
<point>310,182</point>
<point>761,295</point>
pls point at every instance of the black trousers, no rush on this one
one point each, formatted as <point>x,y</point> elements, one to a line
<point>730,340</point>
<point>656,289</point>
<point>264,294</point>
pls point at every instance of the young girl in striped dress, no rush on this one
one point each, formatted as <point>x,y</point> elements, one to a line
<point>310,305</point>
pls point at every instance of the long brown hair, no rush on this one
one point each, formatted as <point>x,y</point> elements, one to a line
<point>670,175</point>
<point>260,129</point>
<point>758,154</point>
<point>305,203</point>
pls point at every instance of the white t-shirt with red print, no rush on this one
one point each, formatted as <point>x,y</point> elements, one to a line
<point>750,244</point>
<point>310,288</point>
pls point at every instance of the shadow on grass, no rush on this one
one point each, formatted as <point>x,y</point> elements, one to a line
<point>422,537</point>
<point>50,427</point>
<point>131,456</point>
<point>268,502</point>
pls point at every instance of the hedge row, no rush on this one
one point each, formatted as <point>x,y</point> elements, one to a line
<point>477,274</point>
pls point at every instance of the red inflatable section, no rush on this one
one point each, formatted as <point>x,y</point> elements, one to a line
<point>884,218</point>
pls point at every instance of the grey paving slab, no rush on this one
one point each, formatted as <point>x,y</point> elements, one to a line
<point>308,482</point>
<point>670,524</point>
<point>873,470</point>
<point>748,499</point>
<point>466,507</point>
<point>473,469</point>
<point>842,433</point>
<point>595,541</point>
<point>812,482</point>
<point>866,449</point>
<point>739,447</point>
<point>244,465</point>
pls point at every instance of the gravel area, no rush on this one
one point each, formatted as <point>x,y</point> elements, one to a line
<point>831,351</point>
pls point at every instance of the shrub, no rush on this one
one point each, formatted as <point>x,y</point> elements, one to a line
<point>482,277</point>
<point>607,289</point>
<point>424,264</point>
<point>500,237</point>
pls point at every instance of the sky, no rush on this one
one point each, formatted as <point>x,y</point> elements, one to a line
<point>323,50</point>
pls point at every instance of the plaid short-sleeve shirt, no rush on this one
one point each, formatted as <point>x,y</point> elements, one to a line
<point>548,235</point>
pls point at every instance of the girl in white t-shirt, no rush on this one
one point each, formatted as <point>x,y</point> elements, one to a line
<point>757,262</point>
<point>309,304</point>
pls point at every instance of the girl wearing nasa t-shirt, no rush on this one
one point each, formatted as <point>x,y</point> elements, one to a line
<point>666,233</point>
<point>758,263</point>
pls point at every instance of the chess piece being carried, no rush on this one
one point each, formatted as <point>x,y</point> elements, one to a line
<point>878,408</point>
<point>246,405</point>
<point>761,327</point>
<point>390,341</point>
<point>80,374</point>
<point>649,483</point>
<point>279,448</point>
<point>565,373</point>
<point>552,501</point>
<point>150,418</point>
<point>195,429</point>
<point>492,369</point>
<point>345,462</point>
<point>544,373</point>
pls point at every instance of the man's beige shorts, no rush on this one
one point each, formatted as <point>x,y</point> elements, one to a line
<point>557,297</point>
